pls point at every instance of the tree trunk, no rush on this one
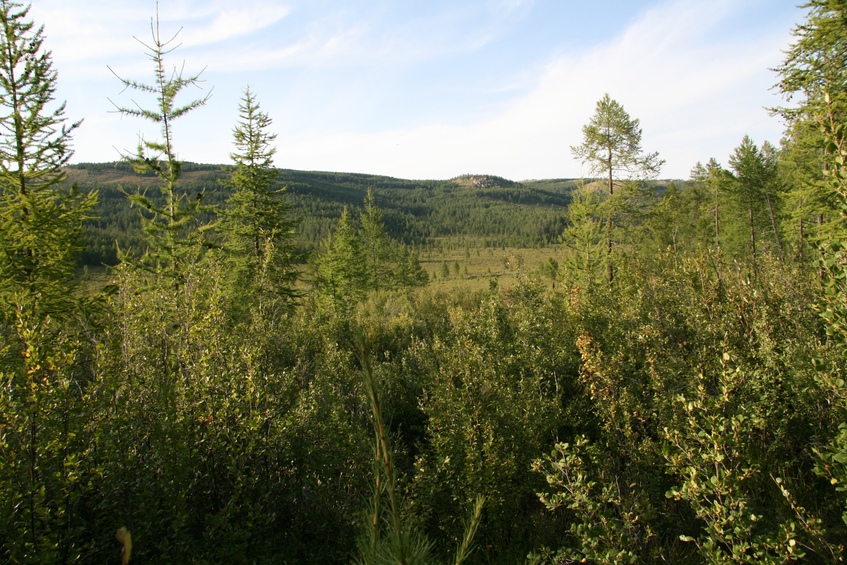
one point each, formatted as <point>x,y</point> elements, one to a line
<point>820,269</point>
<point>773,224</point>
<point>752,232</point>
<point>611,270</point>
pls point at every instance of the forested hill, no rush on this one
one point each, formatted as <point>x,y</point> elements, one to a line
<point>484,209</point>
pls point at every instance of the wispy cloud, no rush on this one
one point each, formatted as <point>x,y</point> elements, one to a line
<point>511,6</point>
<point>383,34</point>
<point>81,32</point>
<point>696,97</point>
<point>89,33</point>
<point>228,22</point>
<point>422,89</point>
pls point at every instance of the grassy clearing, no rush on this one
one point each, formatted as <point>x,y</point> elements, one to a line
<point>449,267</point>
<point>472,268</point>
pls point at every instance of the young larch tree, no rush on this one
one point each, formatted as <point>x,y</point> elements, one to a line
<point>40,224</point>
<point>170,226</point>
<point>611,147</point>
<point>256,223</point>
<point>42,415</point>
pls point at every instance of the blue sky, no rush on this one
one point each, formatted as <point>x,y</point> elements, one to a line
<point>432,89</point>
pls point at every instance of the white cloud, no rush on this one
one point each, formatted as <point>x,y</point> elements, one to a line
<point>85,35</point>
<point>696,81</point>
<point>695,96</point>
<point>510,6</point>
<point>228,22</point>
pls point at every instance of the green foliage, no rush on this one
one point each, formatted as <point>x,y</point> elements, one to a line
<point>683,443</point>
<point>832,462</point>
<point>812,212</point>
<point>402,543</point>
<point>339,273</point>
<point>43,471</point>
<point>173,238</point>
<point>44,476</point>
<point>36,144</point>
<point>40,225</point>
<point>714,181</point>
<point>692,412</point>
<point>357,260</point>
<point>606,515</point>
<point>418,213</point>
<point>492,389</point>
<point>41,233</point>
<point>756,190</point>
<point>375,245</point>
<point>215,442</point>
<point>255,224</point>
<point>584,234</point>
<point>709,452</point>
<point>814,72</point>
<point>612,147</point>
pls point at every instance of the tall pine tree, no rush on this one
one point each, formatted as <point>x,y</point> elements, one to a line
<point>375,246</point>
<point>756,189</point>
<point>42,414</point>
<point>611,147</point>
<point>40,223</point>
<point>256,224</point>
<point>814,75</point>
<point>170,223</point>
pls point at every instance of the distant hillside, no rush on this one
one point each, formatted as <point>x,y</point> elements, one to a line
<point>481,210</point>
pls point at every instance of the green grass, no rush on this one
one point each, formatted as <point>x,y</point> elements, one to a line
<point>477,266</point>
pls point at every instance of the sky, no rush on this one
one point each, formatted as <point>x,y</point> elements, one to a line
<point>429,89</point>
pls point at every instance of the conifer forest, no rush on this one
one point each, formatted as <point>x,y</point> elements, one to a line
<point>237,363</point>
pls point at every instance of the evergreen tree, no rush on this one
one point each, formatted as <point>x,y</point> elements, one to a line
<point>41,410</point>
<point>714,180</point>
<point>408,270</point>
<point>375,245</point>
<point>667,219</point>
<point>256,225</point>
<point>810,210</point>
<point>815,74</point>
<point>357,260</point>
<point>340,274</point>
<point>584,234</point>
<point>170,223</point>
<point>154,340</point>
<point>40,225</point>
<point>611,147</point>
<point>756,187</point>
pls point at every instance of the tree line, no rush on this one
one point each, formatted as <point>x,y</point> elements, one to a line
<point>417,213</point>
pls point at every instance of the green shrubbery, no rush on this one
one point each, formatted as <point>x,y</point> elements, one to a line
<point>689,410</point>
